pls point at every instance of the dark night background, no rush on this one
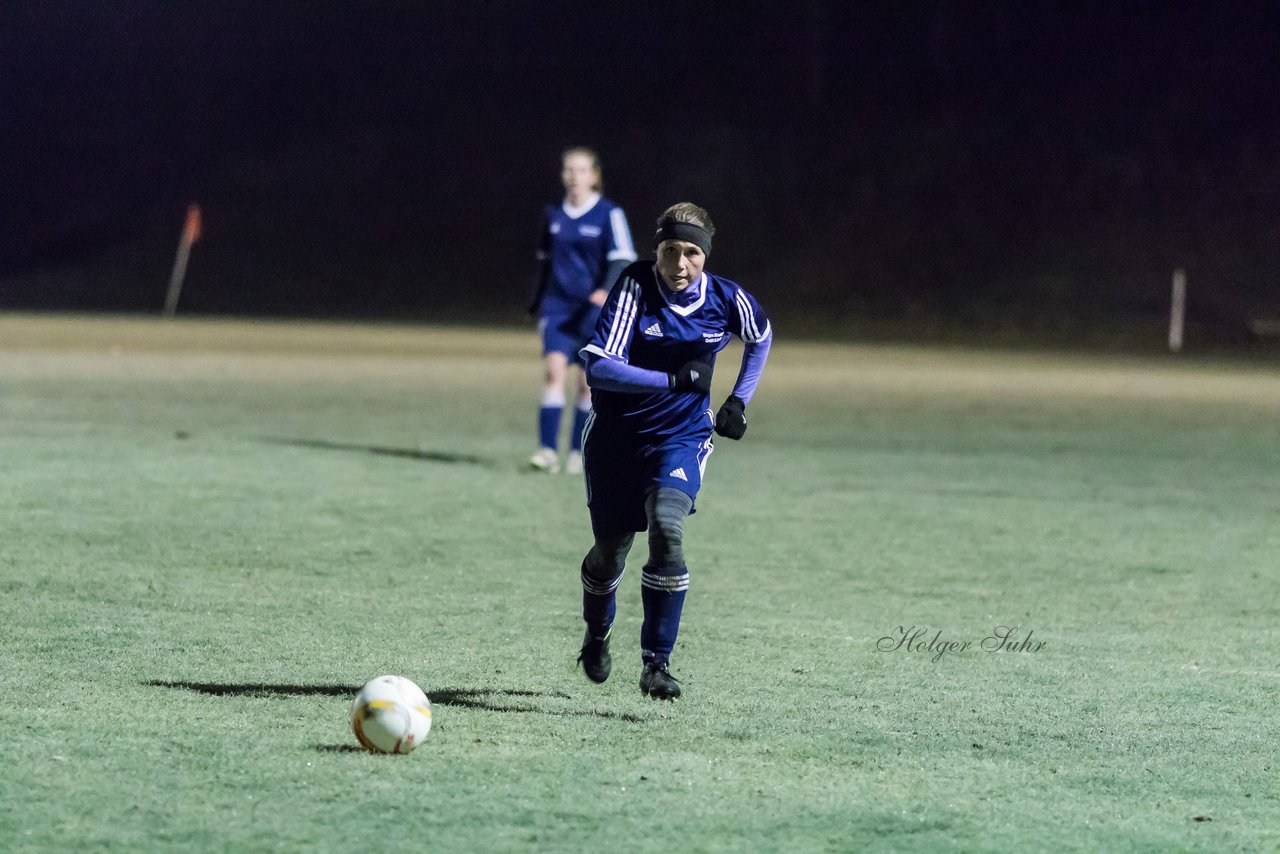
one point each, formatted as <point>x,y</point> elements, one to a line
<point>983,168</point>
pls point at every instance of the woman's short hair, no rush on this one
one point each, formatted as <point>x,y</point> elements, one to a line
<point>690,213</point>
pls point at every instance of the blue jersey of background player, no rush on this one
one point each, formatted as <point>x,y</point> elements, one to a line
<point>585,244</point>
<point>648,438</point>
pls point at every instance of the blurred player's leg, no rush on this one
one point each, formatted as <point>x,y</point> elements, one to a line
<point>573,464</point>
<point>547,457</point>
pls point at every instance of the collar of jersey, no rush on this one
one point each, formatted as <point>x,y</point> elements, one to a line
<point>575,212</point>
<point>682,310</point>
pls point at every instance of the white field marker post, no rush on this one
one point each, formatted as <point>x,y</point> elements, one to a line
<point>190,234</point>
<point>1177,310</point>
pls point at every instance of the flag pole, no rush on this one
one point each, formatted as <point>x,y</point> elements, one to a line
<point>1177,310</point>
<point>190,234</point>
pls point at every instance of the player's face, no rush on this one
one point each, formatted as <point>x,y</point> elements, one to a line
<point>579,176</point>
<point>680,263</point>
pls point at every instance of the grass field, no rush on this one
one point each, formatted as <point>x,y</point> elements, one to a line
<point>214,532</point>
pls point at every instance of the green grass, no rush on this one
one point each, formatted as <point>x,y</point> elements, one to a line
<point>214,532</point>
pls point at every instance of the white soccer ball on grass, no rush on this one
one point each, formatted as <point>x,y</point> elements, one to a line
<point>391,714</point>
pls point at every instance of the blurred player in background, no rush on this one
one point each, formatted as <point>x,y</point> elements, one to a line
<point>648,439</point>
<point>585,244</point>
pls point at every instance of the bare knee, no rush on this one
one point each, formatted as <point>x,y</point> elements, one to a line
<point>554,370</point>
<point>584,390</point>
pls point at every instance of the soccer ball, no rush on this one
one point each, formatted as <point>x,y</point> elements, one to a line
<point>390,714</point>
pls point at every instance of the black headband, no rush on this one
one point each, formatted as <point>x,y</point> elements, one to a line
<point>686,231</point>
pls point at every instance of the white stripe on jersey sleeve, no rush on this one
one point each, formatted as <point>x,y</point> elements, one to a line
<point>620,331</point>
<point>623,249</point>
<point>750,331</point>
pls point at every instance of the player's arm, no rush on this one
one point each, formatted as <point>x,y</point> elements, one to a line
<point>543,272</point>
<point>621,253</point>
<point>608,352</point>
<point>614,375</point>
<point>755,330</point>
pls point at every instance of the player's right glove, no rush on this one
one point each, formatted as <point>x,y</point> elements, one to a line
<point>731,420</point>
<point>692,376</point>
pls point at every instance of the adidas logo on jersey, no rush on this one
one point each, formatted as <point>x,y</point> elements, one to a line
<point>678,473</point>
<point>654,331</point>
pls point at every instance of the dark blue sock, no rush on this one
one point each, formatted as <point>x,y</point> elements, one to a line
<point>579,422</point>
<point>599,602</point>
<point>662,590</point>
<point>549,426</point>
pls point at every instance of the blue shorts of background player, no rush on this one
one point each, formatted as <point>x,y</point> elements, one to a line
<point>569,333</point>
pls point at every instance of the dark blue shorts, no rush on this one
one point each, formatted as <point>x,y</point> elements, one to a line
<point>621,473</point>
<point>568,333</point>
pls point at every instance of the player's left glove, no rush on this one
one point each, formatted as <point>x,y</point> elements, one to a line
<point>731,420</point>
<point>692,376</point>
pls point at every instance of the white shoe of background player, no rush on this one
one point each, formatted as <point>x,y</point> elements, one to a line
<point>573,463</point>
<point>545,459</point>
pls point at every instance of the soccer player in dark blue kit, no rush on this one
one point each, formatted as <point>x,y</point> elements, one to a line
<point>585,244</point>
<point>647,440</point>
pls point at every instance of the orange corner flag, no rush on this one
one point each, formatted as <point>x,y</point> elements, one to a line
<point>191,229</point>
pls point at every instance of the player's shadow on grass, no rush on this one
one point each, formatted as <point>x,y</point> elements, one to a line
<point>403,453</point>
<point>467,698</point>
